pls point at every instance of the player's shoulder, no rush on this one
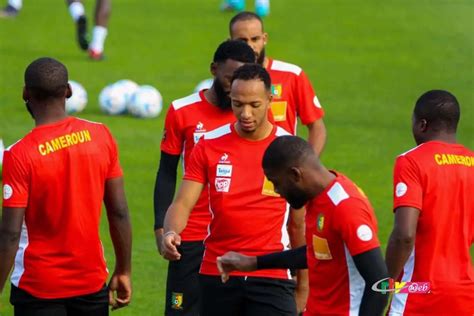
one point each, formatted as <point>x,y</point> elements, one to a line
<point>278,65</point>
<point>185,102</point>
<point>413,151</point>
<point>219,132</point>
<point>345,194</point>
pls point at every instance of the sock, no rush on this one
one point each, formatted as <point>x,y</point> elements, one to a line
<point>17,4</point>
<point>99,33</point>
<point>76,9</point>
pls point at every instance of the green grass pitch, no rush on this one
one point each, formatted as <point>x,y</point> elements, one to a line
<point>368,60</point>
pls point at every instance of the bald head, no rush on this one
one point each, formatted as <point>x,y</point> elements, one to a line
<point>287,152</point>
<point>46,78</point>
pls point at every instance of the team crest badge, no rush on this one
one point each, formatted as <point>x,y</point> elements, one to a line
<point>177,301</point>
<point>320,222</point>
<point>277,90</point>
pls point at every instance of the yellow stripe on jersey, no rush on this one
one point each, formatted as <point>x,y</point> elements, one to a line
<point>64,141</point>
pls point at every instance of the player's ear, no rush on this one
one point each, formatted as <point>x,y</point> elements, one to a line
<point>265,38</point>
<point>423,125</point>
<point>295,175</point>
<point>213,69</point>
<point>68,91</point>
<point>26,94</point>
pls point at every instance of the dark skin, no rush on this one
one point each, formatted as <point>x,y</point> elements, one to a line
<point>50,111</point>
<point>402,238</point>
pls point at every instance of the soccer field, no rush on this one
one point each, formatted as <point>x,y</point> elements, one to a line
<point>368,60</point>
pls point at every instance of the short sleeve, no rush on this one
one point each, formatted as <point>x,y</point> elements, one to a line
<point>307,104</point>
<point>196,168</point>
<point>357,225</point>
<point>407,187</point>
<point>16,181</point>
<point>173,137</point>
<point>114,170</point>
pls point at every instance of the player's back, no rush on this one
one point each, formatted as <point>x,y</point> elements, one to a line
<point>61,173</point>
<point>444,174</point>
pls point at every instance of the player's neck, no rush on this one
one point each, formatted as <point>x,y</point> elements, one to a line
<point>322,179</point>
<point>259,133</point>
<point>52,115</point>
<point>266,61</point>
<point>449,138</point>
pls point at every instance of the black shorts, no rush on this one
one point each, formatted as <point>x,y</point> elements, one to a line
<point>95,304</point>
<point>183,295</point>
<point>247,296</point>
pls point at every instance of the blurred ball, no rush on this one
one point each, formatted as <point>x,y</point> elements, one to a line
<point>78,101</point>
<point>146,102</point>
<point>205,84</point>
<point>113,99</point>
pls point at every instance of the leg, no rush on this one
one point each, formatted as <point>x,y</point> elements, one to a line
<point>77,12</point>
<point>222,298</point>
<point>266,296</point>
<point>99,33</point>
<point>95,304</point>
<point>25,304</point>
<point>182,287</point>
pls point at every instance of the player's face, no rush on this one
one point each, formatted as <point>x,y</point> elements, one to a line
<point>222,73</point>
<point>289,185</point>
<point>250,102</point>
<point>251,32</point>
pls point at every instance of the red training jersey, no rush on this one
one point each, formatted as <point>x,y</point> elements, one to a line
<point>438,179</point>
<point>340,224</point>
<point>58,173</point>
<point>186,121</point>
<point>293,96</point>
<point>247,215</point>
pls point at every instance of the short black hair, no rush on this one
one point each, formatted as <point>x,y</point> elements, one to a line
<point>235,50</point>
<point>440,109</point>
<point>251,72</point>
<point>46,78</point>
<point>285,152</point>
<point>244,16</point>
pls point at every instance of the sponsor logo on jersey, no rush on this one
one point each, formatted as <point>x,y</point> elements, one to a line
<point>279,110</point>
<point>268,188</point>
<point>177,301</point>
<point>199,126</point>
<point>224,170</point>
<point>321,248</point>
<point>400,189</point>
<point>388,285</point>
<point>364,233</point>
<point>222,184</point>
<point>277,90</point>
<point>198,132</point>
<point>224,158</point>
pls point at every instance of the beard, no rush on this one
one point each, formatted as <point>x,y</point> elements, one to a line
<point>297,199</point>
<point>223,99</point>
<point>261,57</point>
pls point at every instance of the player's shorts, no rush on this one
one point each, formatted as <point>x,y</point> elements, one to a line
<point>183,295</point>
<point>247,296</point>
<point>95,304</point>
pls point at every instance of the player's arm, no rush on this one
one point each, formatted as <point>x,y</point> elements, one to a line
<point>120,289</point>
<point>10,230</point>
<point>372,268</point>
<point>289,259</point>
<point>165,186</point>
<point>317,135</point>
<point>177,217</point>
<point>296,231</point>
<point>402,239</point>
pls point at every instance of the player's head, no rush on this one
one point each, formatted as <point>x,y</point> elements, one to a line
<point>436,113</point>
<point>248,27</point>
<point>229,56</point>
<point>251,96</point>
<point>288,163</point>
<point>46,82</point>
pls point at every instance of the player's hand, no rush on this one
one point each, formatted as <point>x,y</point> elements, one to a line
<point>120,290</point>
<point>169,250</point>
<point>232,261</point>
<point>302,290</point>
<point>159,239</point>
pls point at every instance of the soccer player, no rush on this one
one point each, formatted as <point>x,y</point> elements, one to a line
<point>434,213</point>
<point>77,12</point>
<point>342,253</point>
<point>54,181</point>
<point>247,215</point>
<point>292,92</point>
<point>187,120</point>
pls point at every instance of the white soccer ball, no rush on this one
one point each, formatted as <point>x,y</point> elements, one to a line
<point>112,100</point>
<point>146,102</point>
<point>127,87</point>
<point>205,84</point>
<point>78,101</point>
